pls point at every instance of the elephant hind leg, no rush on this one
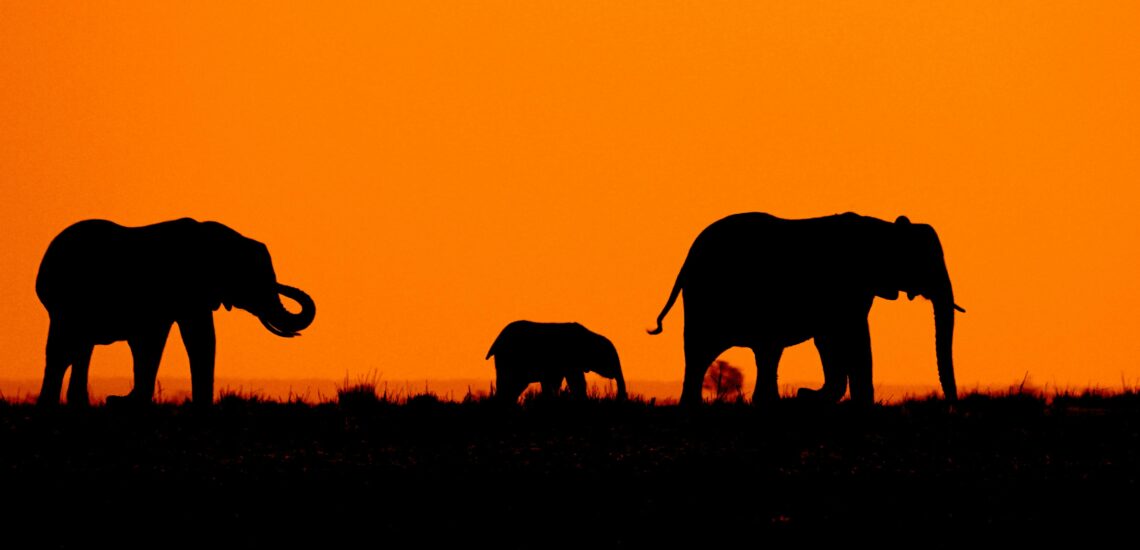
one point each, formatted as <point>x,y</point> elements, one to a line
<point>699,355</point>
<point>60,354</point>
<point>767,359</point>
<point>508,389</point>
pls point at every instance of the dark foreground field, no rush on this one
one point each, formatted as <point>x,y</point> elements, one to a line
<point>558,474</point>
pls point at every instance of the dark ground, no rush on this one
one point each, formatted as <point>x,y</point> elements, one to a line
<point>560,474</point>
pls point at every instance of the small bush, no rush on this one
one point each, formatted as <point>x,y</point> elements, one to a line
<point>363,392</point>
<point>724,382</point>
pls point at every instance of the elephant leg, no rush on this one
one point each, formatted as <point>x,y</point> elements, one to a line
<point>767,359</point>
<point>699,355</point>
<point>832,353</point>
<point>59,356</point>
<point>576,384</point>
<point>147,351</point>
<point>201,346</point>
<point>858,346</point>
<point>508,388</point>
<point>551,385</point>
<point>846,354</point>
<point>77,385</point>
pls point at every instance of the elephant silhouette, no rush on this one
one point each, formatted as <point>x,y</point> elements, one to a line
<point>757,281</point>
<point>101,283</point>
<point>526,352</point>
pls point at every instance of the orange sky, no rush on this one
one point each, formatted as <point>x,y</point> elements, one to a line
<point>429,174</point>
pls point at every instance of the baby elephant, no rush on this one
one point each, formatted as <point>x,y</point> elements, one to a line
<point>547,353</point>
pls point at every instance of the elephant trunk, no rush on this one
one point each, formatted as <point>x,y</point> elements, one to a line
<point>621,395</point>
<point>281,322</point>
<point>944,344</point>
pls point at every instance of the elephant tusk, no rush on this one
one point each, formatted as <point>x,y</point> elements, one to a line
<point>284,334</point>
<point>959,308</point>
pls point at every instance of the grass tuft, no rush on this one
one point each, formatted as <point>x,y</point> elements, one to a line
<point>364,392</point>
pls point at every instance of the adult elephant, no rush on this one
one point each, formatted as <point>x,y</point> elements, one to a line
<point>101,283</point>
<point>548,353</point>
<point>757,281</point>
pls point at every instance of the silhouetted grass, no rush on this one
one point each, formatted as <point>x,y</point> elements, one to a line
<point>596,472</point>
<point>364,392</point>
<point>241,397</point>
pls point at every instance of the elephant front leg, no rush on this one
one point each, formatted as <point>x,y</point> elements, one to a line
<point>201,347</point>
<point>767,360</point>
<point>576,384</point>
<point>146,348</point>
<point>859,365</point>
<point>621,393</point>
<point>551,385</point>
<point>845,354</point>
<point>77,394</point>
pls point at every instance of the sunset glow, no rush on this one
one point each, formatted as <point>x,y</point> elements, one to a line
<point>429,172</point>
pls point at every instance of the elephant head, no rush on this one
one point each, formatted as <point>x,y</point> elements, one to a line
<point>914,264</point>
<point>606,363</point>
<point>244,278</point>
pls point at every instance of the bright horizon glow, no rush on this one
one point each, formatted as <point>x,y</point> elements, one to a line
<point>430,173</point>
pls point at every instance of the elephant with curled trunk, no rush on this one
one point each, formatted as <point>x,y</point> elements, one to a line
<point>757,281</point>
<point>548,353</point>
<point>101,283</point>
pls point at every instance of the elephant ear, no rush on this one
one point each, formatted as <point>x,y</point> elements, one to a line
<point>217,248</point>
<point>919,249</point>
<point>888,285</point>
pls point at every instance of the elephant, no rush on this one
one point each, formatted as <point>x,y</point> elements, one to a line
<point>102,283</point>
<point>762,282</point>
<point>526,352</point>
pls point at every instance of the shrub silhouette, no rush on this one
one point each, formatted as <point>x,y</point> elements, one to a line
<point>723,381</point>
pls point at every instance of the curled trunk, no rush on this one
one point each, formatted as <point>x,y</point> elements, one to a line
<point>285,324</point>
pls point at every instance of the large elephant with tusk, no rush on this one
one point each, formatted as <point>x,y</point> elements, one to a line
<point>101,283</point>
<point>757,281</point>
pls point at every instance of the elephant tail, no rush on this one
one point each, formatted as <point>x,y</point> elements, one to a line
<point>680,283</point>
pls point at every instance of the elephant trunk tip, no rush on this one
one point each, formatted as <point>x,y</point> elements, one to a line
<point>944,346</point>
<point>621,393</point>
